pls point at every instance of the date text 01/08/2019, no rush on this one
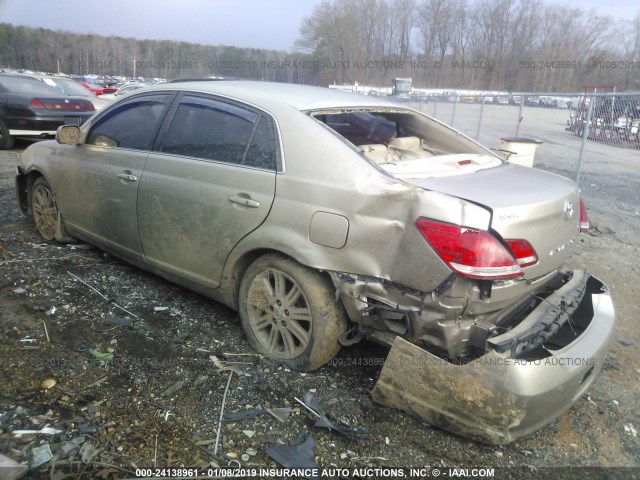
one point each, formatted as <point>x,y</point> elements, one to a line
<point>239,472</point>
<point>365,472</point>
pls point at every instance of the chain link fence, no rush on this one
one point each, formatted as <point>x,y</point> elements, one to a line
<point>593,139</point>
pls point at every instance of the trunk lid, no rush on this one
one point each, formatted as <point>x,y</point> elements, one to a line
<point>525,203</point>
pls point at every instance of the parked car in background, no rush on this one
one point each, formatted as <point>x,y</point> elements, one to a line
<point>92,87</point>
<point>627,127</point>
<point>501,100</point>
<point>549,102</point>
<point>98,89</point>
<point>128,88</point>
<point>532,101</point>
<point>29,108</point>
<point>327,218</point>
<point>451,97</point>
<point>515,100</point>
<point>72,88</point>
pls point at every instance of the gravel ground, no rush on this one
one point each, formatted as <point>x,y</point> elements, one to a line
<point>142,367</point>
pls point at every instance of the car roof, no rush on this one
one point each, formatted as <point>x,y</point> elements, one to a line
<point>264,94</point>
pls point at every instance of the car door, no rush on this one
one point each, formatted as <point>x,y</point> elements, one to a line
<point>211,183</point>
<point>102,178</point>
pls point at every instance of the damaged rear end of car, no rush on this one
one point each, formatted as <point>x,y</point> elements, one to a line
<point>526,377</point>
<point>508,339</point>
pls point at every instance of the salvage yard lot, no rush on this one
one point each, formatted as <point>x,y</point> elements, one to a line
<point>157,400</point>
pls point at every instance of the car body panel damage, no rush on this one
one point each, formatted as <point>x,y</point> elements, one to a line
<point>498,398</point>
<point>326,218</point>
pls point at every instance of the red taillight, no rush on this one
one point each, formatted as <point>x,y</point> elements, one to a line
<point>476,253</point>
<point>584,218</point>
<point>36,103</point>
<point>64,105</point>
<point>523,252</point>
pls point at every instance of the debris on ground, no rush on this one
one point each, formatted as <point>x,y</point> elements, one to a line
<point>298,454</point>
<point>130,371</point>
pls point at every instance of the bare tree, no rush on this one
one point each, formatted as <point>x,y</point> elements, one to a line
<point>515,45</point>
<point>628,35</point>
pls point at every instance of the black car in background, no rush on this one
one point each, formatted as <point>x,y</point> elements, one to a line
<point>549,102</point>
<point>32,109</point>
<point>532,101</point>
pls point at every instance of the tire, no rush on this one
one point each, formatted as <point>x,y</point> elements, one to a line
<point>290,314</point>
<point>45,212</point>
<point>6,140</point>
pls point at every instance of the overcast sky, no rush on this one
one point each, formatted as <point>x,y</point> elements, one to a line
<point>270,24</point>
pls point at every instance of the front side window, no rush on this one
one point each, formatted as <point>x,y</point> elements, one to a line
<point>132,125</point>
<point>213,130</point>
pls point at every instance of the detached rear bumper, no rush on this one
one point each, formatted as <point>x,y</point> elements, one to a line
<point>497,398</point>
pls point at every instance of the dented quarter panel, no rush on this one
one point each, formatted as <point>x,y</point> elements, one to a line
<point>381,212</point>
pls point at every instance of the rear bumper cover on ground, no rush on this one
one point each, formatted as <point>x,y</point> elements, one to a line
<point>496,398</point>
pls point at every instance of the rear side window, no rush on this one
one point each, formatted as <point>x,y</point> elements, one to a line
<point>262,150</point>
<point>132,125</point>
<point>214,130</point>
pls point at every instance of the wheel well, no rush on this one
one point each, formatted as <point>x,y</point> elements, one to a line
<point>24,187</point>
<point>31,178</point>
<point>242,264</point>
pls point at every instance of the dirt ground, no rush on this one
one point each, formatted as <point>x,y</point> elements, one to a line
<point>141,368</point>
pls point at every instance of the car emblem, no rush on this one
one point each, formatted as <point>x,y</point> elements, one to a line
<point>568,210</point>
<point>66,100</point>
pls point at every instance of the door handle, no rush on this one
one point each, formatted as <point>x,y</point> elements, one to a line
<point>127,177</point>
<point>247,202</point>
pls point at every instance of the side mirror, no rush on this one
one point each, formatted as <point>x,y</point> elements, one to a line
<point>68,135</point>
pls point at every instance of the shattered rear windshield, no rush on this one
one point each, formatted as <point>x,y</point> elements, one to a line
<point>362,128</point>
<point>406,143</point>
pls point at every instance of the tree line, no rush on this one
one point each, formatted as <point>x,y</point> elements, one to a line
<point>512,45</point>
<point>509,45</point>
<point>45,50</point>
